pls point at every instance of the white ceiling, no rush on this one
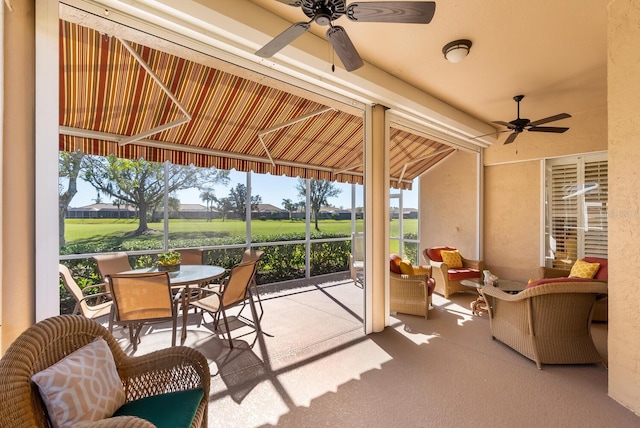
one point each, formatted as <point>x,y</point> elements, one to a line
<point>553,52</point>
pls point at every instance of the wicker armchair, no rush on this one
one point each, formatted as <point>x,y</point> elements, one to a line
<point>47,342</point>
<point>448,279</point>
<point>411,294</point>
<point>548,323</point>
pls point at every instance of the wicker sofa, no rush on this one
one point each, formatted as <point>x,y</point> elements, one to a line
<point>601,310</point>
<point>144,378</point>
<point>547,323</point>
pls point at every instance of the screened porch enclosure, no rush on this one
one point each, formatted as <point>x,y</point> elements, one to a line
<point>134,96</point>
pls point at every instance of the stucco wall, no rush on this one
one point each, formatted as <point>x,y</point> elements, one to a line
<point>448,210</point>
<point>624,202</point>
<point>18,186</point>
<point>512,220</point>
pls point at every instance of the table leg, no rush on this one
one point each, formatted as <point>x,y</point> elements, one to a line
<point>185,313</point>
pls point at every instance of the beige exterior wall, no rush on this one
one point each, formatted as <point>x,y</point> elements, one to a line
<point>18,166</point>
<point>624,202</point>
<point>448,210</point>
<point>512,220</point>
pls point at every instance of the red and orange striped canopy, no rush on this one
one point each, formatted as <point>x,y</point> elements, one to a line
<point>106,95</point>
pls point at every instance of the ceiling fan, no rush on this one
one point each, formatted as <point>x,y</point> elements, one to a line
<point>324,12</point>
<point>519,125</point>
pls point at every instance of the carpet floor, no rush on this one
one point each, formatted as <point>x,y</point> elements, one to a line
<point>314,367</point>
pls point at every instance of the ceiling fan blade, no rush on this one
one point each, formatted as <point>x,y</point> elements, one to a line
<point>511,138</point>
<point>491,133</point>
<point>507,124</point>
<point>550,119</point>
<point>294,3</point>
<point>283,39</point>
<point>554,129</point>
<point>344,48</point>
<point>408,12</point>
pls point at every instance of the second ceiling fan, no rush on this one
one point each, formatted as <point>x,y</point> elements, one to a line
<point>518,125</point>
<point>324,12</point>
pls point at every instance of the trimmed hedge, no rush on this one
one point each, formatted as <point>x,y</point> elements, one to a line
<point>279,263</point>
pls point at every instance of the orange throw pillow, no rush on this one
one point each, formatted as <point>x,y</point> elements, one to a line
<point>394,263</point>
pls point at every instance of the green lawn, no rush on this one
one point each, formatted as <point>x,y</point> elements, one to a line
<point>111,233</point>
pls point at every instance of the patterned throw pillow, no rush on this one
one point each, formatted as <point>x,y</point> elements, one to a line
<point>82,387</point>
<point>451,258</point>
<point>582,269</point>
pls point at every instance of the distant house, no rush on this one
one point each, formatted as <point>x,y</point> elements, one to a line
<point>195,212</point>
<point>334,213</point>
<point>102,211</point>
<point>269,212</point>
<point>407,213</point>
<point>186,211</point>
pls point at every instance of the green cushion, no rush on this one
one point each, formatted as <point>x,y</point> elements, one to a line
<point>171,410</point>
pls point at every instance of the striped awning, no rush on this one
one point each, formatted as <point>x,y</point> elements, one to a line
<point>189,113</point>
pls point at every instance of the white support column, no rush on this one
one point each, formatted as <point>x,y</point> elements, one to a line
<point>376,224</point>
<point>46,148</point>
<point>247,223</point>
<point>308,231</point>
<point>166,207</point>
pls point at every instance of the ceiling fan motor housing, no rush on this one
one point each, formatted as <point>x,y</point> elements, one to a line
<point>520,123</point>
<point>323,12</point>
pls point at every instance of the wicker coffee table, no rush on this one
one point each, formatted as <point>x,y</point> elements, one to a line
<point>480,305</point>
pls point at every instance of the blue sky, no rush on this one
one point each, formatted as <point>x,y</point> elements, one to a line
<point>272,189</point>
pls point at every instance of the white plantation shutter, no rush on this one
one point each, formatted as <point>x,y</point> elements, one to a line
<point>576,212</point>
<point>596,226</point>
<point>563,216</point>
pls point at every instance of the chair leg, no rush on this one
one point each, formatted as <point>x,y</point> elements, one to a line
<point>255,287</point>
<point>174,334</point>
<point>226,324</point>
<point>133,336</point>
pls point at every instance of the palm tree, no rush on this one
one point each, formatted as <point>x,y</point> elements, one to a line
<point>209,198</point>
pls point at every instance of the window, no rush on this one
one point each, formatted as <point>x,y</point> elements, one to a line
<point>403,230</point>
<point>576,209</point>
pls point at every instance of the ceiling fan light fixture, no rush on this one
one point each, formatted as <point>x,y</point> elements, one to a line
<point>457,50</point>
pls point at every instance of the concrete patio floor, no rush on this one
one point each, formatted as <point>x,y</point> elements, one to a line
<point>314,366</point>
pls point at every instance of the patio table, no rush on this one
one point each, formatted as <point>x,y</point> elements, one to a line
<point>199,275</point>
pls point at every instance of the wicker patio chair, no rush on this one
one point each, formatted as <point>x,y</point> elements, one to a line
<point>548,323</point>
<point>47,342</point>
<point>448,278</point>
<point>411,294</point>
<point>234,291</point>
<point>142,298</point>
<point>97,309</point>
